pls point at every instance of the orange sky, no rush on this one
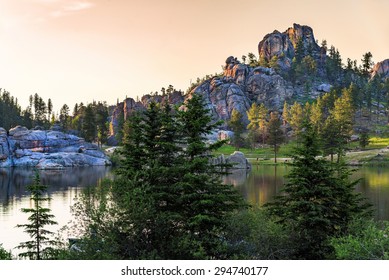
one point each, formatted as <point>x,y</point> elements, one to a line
<point>83,50</point>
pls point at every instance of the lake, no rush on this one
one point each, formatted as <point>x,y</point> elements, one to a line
<point>257,186</point>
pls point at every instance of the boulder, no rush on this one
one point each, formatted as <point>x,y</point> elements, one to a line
<point>238,160</point>
<point>324,87</point>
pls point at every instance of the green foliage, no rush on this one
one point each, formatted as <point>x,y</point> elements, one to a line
<point>4,255</point>
<point>367,64</point>
<point>367,241</point>
<point>318,202</point>
<point>167,201</point>
<point>89,124</point>
<point>237,126</point>
<point>296,117</point>
<point>276,135</point>
<point>41,246</point>
<point>253,234</point>
<point>10,111</point>
<point>364,139</point>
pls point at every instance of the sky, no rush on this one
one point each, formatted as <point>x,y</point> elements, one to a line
<point>76,51</point>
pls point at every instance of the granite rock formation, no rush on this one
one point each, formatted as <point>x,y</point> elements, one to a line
<point>381,69</point>
<point>47,149</point>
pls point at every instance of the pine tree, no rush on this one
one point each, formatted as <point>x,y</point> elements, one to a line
<point>167,201</point>
<point>258,123</point>
<point>89,124</point>
<point>367,63</point>
<point>253,126</point>
<point>318,201</point>
<point>206,201</point>
<point>237,126</point>
<point>296,118</point>
<point>40,247</point>
<point>276,135</point>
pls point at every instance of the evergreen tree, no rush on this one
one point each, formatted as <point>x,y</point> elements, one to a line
<point>318,201</point>
<point>101,113</point>
<point>40,247</point>
<point>296,118</point>
<point>253,126</point>
<point>167,201</point>
<point>237,126</point>
<point>89,124</point>
<point>273,63</point>
<point>364,139</point>
<point>49,108</point>
<point>276,135</point>
<point>367,63</point>
<point>205,199</point>
<point>4,255</point>
<point>64,116</point>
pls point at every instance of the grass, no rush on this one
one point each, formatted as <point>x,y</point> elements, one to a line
<point>265,154</point>
<point>368,156</point>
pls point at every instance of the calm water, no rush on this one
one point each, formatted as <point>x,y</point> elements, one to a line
<point>263,182</point>
<point>63,187</point>
<point>257,186</point>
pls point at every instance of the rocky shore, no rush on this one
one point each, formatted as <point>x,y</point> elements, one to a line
<point>47,149</point>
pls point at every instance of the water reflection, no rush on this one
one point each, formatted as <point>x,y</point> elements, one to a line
<point>63,187</point>
<point>262,183</point>
<point>13,181</point>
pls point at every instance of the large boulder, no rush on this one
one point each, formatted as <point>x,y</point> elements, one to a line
<point>238,160</point>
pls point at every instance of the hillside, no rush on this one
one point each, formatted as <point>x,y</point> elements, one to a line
<point>290,66</point>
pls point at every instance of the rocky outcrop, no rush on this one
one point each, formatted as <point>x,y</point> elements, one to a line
<point>381,69</point>
<point>47,149</point>
<point>284,45</point>
<point>239,87</point>
<point>124,109</point>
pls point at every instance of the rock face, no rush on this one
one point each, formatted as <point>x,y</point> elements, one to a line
<point>239,87</point>
<point>47,149</point>
<point>283,45</point>
<point>381,69</point>
<point>124,109</point>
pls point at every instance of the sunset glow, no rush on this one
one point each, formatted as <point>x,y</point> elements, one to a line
<point>84,50</point>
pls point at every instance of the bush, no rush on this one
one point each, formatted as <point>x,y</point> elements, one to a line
<point>252,234</point>
<point>368,241</point>
<point>4,255</point>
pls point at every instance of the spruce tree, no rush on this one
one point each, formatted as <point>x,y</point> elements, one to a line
<point>237,126</point>
<point>276,135</point>
<point>318,201</point>
<point>40,247</point>
<point>205,201</point>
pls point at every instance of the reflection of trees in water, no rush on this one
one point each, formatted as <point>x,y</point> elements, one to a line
<point>13,181</point>
<point>263,182</point>
<point>260,184</point>
<point>374,184</point>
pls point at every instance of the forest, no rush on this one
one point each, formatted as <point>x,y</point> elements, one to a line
<point>167,200</point>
